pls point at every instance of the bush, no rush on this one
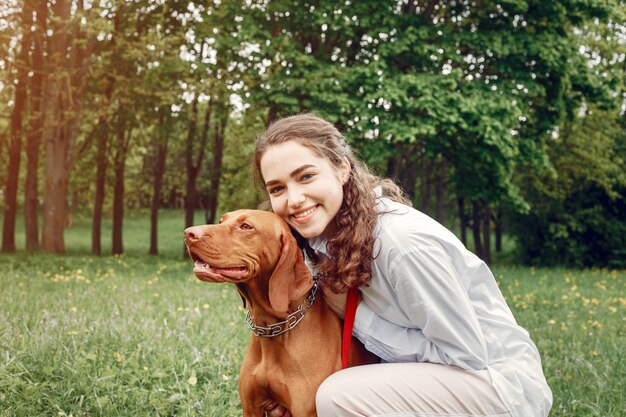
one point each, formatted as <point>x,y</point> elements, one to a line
<point>586,229</point>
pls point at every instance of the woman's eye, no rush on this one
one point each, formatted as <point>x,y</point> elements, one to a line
<point>245,226</point>
<point>275,190</point>
<point>307,176</point>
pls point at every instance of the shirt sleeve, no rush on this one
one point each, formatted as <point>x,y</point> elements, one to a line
<point>444,329</point>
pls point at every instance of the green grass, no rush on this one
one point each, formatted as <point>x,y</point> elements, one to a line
<point>139,335</point>
<point>115,336</point>
<point>576,319</point>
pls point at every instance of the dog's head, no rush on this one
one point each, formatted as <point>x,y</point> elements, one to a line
<point>251,245</point>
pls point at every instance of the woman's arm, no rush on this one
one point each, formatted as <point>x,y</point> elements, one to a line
<point>431,295</point>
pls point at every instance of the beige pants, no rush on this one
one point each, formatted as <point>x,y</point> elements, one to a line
<point>408,389</point>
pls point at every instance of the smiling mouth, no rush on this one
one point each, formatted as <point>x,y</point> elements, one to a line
<point>304,213</point>
<point>203,269</point>
<point>236,272</point>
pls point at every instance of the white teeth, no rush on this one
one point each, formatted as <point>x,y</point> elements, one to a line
<point>304,213</point>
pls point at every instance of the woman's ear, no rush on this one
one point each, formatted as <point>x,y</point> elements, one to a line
<point>345,170</point>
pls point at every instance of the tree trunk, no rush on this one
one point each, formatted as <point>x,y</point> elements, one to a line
<point>118,192</point>
<point>71,212</point>
<point>272,114</point>
<point>426,188</point>
<point>35,132</point>
<point>499,230</point>
<point>216,171</point>
<point>15,147</point>
<point>394,163</point>
<point>101,159</point>
<point>486,234</point>
<point>192,170</point>
<point>98,207</point>
<point>159,171</point>
<point>54,141</point>
<point>440,190</point>
<point>68,53</point>
<point>462,219</point>
<point>55,204</point>
<point>476,217</point>
<point>56,174</point>
<point>408,178</point>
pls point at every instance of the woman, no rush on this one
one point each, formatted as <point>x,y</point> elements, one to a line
<point>429,308</point>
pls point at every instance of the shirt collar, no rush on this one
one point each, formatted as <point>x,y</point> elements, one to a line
<point>319,244</point>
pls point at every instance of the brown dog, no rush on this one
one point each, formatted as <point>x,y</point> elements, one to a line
<point>296,339</point>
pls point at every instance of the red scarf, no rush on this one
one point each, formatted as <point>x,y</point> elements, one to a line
<point>348,322</point>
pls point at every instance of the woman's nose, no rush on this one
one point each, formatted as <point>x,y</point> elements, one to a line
<point>295,197</point>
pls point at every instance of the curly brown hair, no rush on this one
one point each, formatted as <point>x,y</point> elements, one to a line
<point>354,241</point>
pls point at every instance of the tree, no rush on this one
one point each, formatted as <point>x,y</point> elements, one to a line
<point>161,145</point>
<point>577,209</point>
<point>15,147</point>
<point>479,84</point>
<point>194,157</point>
<point>69,53</point>
<point>577,206</point>
<point>133,87</point>
<point>215,172</point>
<point>122,139</point>
<point>103,132</point>
<point>35,129</point>
<point>161,91</point>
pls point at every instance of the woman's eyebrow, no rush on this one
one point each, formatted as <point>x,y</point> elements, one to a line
<point>291,174</point>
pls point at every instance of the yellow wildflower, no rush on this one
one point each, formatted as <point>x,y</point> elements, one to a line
<point>192,380</point>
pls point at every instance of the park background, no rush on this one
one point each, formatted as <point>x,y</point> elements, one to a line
<point>123,122</point>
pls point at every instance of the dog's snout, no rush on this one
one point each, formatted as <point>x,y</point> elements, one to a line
<point>194,233</point>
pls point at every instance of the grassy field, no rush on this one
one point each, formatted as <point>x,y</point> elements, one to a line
<point>135,335</point>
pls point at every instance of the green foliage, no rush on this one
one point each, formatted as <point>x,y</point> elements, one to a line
<point>585,229</point>
<point>577,215</point>
<point>237,189</point>
<point>482,85</point>
<point>479,83</point>
<point>577,207</point>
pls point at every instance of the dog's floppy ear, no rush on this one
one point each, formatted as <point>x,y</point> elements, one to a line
<point>291,278</point>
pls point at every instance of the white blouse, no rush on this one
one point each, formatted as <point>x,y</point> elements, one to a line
<point>432,300</point>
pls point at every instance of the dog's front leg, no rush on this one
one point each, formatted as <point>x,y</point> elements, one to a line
<point>255,398</point>
<point>252,410</point>
<point>254,402</point>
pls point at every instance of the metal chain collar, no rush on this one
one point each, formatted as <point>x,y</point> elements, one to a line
<point>292,319</point>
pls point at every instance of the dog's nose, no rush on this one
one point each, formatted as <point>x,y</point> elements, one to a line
<point>194,233</point>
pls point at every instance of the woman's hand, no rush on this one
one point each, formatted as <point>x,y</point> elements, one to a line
<point>336,302</point>
<point>277,410</point>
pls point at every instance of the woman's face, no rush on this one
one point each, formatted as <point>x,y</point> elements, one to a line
<point>305,189</point>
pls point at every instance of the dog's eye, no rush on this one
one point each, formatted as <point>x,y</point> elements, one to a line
<point>245,226</point>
